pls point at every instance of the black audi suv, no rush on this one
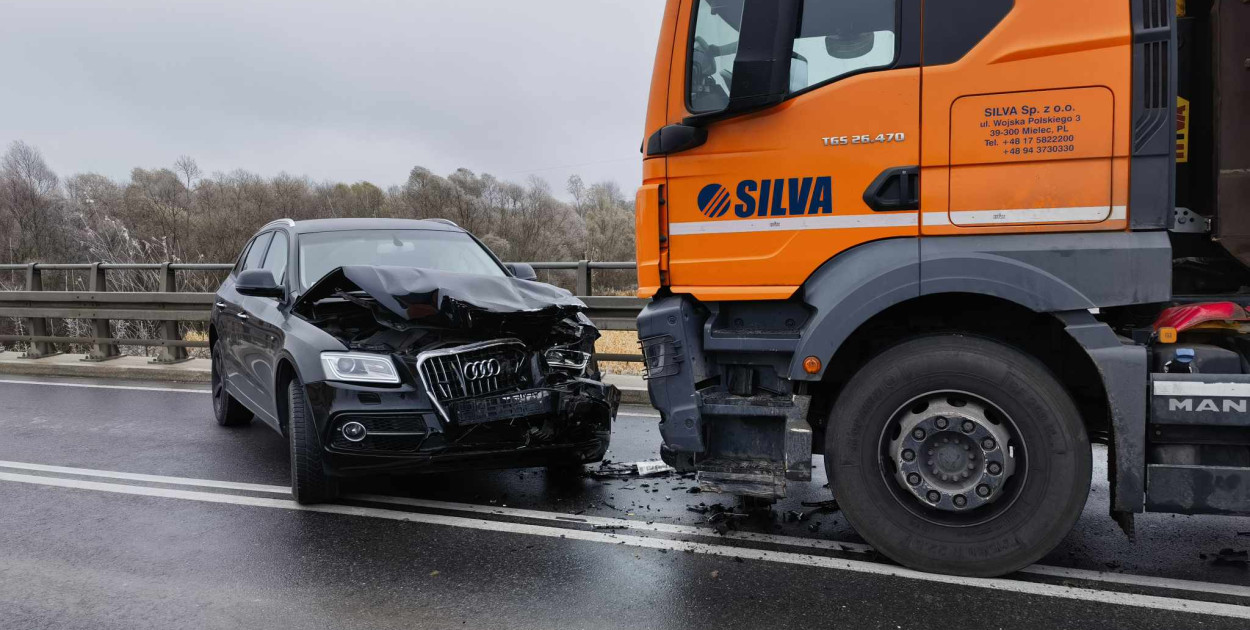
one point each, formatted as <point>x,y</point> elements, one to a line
<point>379,345</point>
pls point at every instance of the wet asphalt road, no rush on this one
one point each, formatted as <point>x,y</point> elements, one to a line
<point>82,546</point>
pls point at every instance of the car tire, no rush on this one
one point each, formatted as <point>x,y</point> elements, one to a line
<point>228,411</point>
<point>309,482</point>
<point>895,489</point>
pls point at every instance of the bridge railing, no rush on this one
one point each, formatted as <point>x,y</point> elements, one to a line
<point>168,307</point>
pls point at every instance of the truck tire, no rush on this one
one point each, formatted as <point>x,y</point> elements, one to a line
<point>309,482</point>
<point>960,455</point>
<point>228,411</point>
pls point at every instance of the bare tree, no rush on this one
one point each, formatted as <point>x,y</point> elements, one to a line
<point>30,199</point>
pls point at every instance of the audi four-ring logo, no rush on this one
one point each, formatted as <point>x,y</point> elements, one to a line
<point>478,370</point>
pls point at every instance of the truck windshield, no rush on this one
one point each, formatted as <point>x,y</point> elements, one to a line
<point>323,252</point>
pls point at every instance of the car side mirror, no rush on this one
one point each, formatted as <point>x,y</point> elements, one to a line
<point>522,271</point>
<point>259,283</point>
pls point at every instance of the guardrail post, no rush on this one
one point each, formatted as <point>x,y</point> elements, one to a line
<point>169,329</point>
<point>583,277</point>
<point>38,326</point>
<point>103,350</point>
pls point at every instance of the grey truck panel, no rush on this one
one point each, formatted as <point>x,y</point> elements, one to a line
<point>1046,273</point>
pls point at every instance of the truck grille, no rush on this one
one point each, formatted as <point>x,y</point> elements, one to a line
<point>479,369</point>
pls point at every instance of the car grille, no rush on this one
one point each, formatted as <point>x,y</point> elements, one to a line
<point>479,369</point>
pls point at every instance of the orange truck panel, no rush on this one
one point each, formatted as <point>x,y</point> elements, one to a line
<point>790,201</point>
<point>1028,132</point>
<point>1047,149</point>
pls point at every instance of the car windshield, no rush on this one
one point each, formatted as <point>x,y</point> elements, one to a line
<point>322,252</point>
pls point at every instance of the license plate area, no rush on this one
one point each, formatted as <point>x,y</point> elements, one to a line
<point>534,402</point>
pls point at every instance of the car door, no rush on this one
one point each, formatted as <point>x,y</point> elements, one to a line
<point>235,335</point>
<point>229,306</point>
<point>262,327</point>
<point>774,194</point>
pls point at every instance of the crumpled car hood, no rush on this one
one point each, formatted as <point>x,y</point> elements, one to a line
<point>448,298</point>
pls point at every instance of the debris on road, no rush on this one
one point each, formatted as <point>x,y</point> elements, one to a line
<point>1228,557</point>
<point>651,468</point>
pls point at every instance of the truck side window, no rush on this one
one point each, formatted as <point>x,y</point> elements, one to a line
<point>841,37</point>
<point>712,54</point>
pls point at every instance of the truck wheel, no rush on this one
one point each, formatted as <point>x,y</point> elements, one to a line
<point>309,481</point>
<point>228,411</point>
<point>958,455</point>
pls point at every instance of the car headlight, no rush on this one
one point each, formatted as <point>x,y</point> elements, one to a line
<point>567,358</point>
<point>358,367</point>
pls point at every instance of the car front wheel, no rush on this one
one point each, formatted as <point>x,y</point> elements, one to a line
<point>309,482</point>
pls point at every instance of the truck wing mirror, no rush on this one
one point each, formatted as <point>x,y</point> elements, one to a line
<point>761,74</point>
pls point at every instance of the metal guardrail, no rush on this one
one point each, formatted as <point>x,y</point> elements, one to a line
<point>166,305</point>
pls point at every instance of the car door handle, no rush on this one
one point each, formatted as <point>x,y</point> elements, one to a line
<point>242,316</point>
<point>221,305</point>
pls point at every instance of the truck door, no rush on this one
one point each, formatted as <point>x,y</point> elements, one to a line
<point>1027,128</point>
<point>773,194</point>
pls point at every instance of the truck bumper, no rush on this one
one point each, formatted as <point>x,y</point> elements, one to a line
<point>748,445</point>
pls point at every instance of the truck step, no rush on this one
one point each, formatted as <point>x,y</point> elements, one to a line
<point>719,403</point>
<point>1185,489</point>
<point>754,478</point>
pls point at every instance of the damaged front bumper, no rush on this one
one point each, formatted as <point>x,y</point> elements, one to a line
<point>372,429</point>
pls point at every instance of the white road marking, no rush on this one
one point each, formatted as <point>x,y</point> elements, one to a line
<point>624,524</point>
<point>173,481</point>
<point>794,541</point>
<point>92,386</point>
<point>609,522</point>
<point>1149,602</point>
<point>637,414</point>
<point>1213,588</point>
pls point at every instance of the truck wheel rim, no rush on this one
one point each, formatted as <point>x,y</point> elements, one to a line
<point>953,458</point>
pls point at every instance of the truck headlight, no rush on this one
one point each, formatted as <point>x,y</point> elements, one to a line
<point>357,367</point>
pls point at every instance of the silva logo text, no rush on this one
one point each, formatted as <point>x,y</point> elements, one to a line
<point>796,196</point>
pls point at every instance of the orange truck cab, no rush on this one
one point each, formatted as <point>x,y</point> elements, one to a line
<point>943,243</point>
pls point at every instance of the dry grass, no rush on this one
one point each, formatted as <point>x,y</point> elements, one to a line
<point>195,335</point>
<point>619,342</point>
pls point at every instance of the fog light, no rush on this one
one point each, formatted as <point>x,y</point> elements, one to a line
<point>812,365</point>
<point>354,431</point>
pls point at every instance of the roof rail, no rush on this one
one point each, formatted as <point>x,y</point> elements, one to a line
<point>444,222</point>
<point>286,222</point>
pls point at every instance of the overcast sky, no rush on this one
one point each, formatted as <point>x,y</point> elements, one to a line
<point>344,91</point>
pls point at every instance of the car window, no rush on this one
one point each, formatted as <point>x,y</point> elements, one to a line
<point>841,37</point>
<point>322,252</point>
<point>275,260</point>
<point>257,252</point>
